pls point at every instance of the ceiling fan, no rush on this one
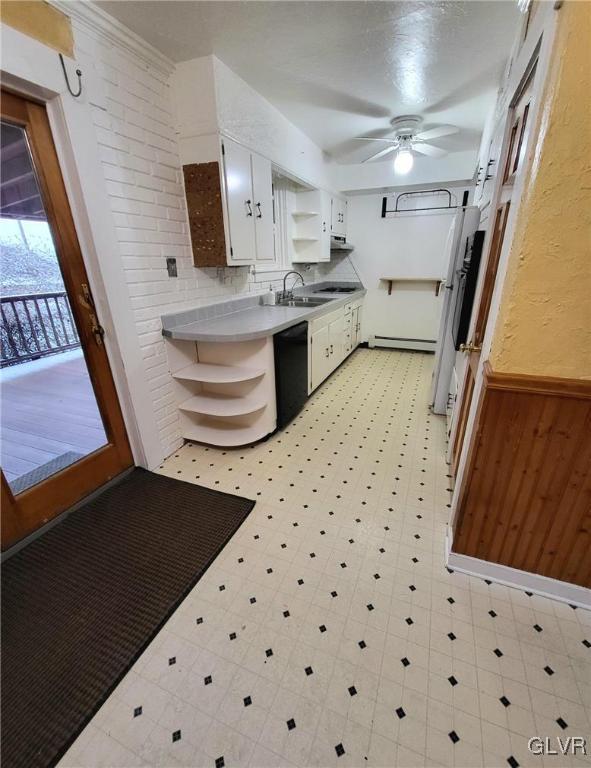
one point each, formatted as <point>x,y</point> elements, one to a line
<point>408,139</point>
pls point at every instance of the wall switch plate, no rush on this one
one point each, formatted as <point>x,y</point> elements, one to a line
<point>171,267</point>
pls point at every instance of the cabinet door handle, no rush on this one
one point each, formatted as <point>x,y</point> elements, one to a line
<point>259,212</point>
<point>324,226</point>
<point>248,205</point>
<point>327,353</point>
<point>331,350</point>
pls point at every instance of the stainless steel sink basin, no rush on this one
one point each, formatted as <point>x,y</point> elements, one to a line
<point>303,301</point>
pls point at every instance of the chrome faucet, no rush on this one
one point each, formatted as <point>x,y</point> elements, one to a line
<point>286,294</point>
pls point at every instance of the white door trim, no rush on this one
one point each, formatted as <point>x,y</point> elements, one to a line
<point>512,577</point>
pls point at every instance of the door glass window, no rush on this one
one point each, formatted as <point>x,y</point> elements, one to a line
<point>48,409</point>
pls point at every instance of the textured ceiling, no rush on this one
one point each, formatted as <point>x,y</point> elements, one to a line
<point>342,69</point>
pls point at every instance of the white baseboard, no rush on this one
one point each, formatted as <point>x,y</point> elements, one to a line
<point>418,345</point>
<point>512,577</point>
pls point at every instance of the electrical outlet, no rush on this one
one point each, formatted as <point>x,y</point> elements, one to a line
<point>171,267</point>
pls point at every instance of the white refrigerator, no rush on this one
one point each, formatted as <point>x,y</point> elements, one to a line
<point>463,226</point>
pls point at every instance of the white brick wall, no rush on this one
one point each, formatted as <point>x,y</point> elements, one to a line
<point>133,120</point>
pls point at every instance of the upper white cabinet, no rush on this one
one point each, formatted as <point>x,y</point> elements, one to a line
<point>239,203</point>
<point>338,219</point>
<point>230,208</point>
<point>249,204</point>
<point>262,196</point>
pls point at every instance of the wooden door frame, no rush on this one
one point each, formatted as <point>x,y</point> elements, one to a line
<point>37,505</point>
<point>502,198</point>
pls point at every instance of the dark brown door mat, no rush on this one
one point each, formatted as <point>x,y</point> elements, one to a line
<point>80,603</point>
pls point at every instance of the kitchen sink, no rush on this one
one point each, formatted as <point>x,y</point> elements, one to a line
<point>303,301</point>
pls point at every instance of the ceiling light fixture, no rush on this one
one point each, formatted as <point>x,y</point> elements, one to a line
<point>403,161</point>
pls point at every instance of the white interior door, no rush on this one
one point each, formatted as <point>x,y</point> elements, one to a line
<point>262,186</point>
<point>240,204</point>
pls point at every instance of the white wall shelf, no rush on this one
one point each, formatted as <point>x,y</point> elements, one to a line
<point>303,214</point>
<point>210,373</point>
<point>305,239</point>
<point>222,404</point>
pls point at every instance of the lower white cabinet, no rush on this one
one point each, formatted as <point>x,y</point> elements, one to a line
<point>319,356</point>
<point>356,325</point>
<point>331,337</point>
<point>336,342</point>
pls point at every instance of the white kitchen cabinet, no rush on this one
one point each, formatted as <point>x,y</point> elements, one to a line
<point>239,203</point>
<point>356,326</point>
<point>347,341</point>
<point>330,341</point>
<point>319,356</point>
<point>338,219</point>
<point>325,231</point>
<point>230,208</point>
<point>336,342</point>
<point>262,195</point>
<point>249,204</point>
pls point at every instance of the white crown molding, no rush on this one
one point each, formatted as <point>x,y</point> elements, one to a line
<point>512,577</point>
<point>89,15</point>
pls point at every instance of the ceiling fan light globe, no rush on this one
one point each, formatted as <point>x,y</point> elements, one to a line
<point>403,162</point>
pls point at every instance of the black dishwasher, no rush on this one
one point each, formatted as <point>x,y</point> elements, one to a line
<point>291,371</point>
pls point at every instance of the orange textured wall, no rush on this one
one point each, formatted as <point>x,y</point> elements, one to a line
<point>544,325</point>
<point>41,21</point>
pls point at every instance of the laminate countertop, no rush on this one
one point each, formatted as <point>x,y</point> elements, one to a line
<point>253,321</point>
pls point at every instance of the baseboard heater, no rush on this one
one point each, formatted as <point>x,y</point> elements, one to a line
<point>398,342</point>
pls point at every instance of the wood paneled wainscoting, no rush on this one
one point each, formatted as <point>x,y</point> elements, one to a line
<point>526,499</point>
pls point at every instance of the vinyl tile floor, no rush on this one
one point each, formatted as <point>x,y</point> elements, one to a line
<point>329,632</point>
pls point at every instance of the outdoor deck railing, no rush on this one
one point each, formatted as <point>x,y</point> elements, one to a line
<point>35,325</point>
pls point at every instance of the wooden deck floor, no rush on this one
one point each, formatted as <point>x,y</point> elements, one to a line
<point>48,408</point>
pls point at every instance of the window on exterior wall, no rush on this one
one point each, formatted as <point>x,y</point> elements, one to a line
<point>281,225</point>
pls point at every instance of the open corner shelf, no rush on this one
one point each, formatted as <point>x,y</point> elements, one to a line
<point>221,433</point>
<point>302,214</point>
<point>220,404</point>
<point>230,399</point>
<point>210,373</point>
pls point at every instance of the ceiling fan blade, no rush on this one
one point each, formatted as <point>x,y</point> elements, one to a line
<point>429,149</point>
<point>371,138</point>
<point>436,133</point>
<point>381,153</point>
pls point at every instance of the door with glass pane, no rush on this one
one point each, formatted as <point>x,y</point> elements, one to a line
<point>61,428</point>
